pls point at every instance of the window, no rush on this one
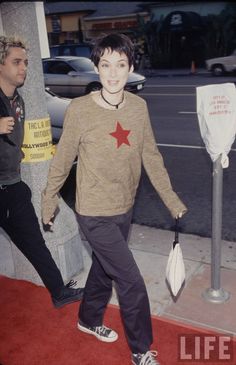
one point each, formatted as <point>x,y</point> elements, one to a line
<point>83,51</point>
<point>57,67</point>
<point>82,65</point>
<point>71,50</point>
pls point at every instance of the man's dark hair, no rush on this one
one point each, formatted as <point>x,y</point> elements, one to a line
<point>113,42</point>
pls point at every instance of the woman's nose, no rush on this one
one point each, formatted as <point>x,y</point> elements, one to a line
<point>113,71</point>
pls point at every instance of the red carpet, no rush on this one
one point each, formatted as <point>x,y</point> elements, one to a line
<point>32,332</point>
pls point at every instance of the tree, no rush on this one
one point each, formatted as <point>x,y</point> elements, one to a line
<point>221,32</point>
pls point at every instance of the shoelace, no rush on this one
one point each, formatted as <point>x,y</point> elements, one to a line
<point>71,283</point>
<point>148,358</point>
<point>103,330</point>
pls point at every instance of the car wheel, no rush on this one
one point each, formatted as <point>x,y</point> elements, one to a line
<point>93,87</point>
<point>217,70</point>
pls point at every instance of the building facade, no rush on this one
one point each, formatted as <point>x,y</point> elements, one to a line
<point>173,34</point>
<point>85,21</point>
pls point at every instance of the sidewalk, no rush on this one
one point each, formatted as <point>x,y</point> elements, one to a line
<point>173,72</point>
<point>150,247</point>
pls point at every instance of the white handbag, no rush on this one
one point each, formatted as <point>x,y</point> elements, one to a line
<point>175,269</point>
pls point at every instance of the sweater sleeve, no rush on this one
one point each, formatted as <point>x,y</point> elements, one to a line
<point>157,173</point>
<point>66,152</point>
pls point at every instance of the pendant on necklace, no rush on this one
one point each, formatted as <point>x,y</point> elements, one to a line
<point>114,105</point>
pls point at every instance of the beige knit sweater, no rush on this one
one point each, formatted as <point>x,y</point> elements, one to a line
<point>111,146</point>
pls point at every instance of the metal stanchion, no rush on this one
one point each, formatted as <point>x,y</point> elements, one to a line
<point>216,294</point>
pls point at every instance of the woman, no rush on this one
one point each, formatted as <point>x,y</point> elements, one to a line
<point>110,131</point>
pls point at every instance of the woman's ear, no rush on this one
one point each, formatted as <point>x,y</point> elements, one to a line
<point>131,69</point>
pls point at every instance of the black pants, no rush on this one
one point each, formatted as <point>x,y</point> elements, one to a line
<point>113,260</point>
<point>19,220</point>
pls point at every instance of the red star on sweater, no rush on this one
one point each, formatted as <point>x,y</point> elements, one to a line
<point>121,135</point>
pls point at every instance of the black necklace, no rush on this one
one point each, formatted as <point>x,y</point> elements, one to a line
<point>115,105</point>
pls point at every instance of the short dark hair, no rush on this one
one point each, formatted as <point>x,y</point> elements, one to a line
<point>115,42</point>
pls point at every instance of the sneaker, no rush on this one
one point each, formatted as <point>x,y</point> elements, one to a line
<point>145,359</point>
<point>102,333</point>
<point>68,295</point>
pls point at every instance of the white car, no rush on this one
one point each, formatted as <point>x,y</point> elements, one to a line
<point>73,76</point>
<point>56,107</point>
<point>221,65</point>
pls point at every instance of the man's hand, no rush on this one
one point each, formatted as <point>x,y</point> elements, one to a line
<point>6,125</point>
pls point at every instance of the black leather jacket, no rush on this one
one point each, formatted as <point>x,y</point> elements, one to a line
<point>10,144</point>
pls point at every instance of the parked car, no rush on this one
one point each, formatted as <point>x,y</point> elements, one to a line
<point>221,65</point>
<point>72,76</point>
<point>71,49</point>
<point>56,109</point>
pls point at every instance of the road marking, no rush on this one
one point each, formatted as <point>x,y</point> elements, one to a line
<point>169,85</point>
<point>185,146</point>
<point>180,146</point>
<point>154,94</point>
<point>187,112</point>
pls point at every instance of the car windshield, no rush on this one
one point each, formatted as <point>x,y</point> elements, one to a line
<point>82,65</point>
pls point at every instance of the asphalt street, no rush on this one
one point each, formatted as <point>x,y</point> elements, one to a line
<point>172,107</point>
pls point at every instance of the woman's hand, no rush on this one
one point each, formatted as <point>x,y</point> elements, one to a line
<point>180,215</point>
<point>48,226</point>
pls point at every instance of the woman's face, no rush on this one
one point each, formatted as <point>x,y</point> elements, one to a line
<point>113,69</point>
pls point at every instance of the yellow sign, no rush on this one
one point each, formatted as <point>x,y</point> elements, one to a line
<point>37,145</point>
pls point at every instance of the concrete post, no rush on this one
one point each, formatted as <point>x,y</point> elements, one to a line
<point>64,243</point>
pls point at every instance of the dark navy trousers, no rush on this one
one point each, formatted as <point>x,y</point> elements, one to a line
<point>19,221</point>
<point>112,260</point>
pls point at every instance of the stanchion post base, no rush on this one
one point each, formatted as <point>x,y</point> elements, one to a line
<point>216,295</point>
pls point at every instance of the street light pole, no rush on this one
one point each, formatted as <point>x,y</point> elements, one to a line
<point>20,18</point>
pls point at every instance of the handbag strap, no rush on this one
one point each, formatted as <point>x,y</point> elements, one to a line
<point>176,232</point>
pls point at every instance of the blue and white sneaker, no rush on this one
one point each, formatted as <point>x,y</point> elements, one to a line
<point>102,333</point>
<point>145,359</point>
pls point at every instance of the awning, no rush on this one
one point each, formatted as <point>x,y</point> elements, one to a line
<point>181,21</point>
